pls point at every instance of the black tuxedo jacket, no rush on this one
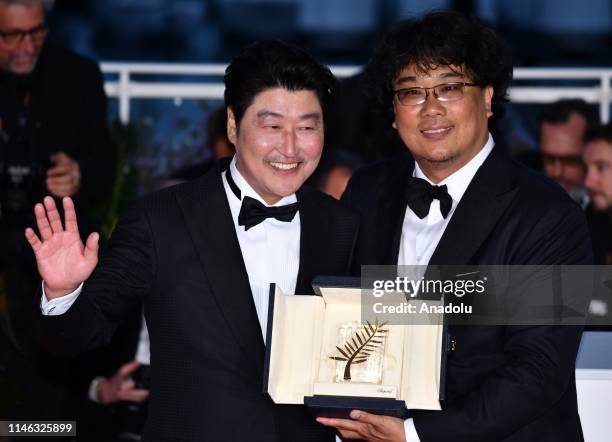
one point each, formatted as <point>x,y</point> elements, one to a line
<point>177,252</point>
<point>504,383</point>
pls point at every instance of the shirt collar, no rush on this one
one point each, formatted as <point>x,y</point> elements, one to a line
<point>247,190</point>
<point>458,182</point>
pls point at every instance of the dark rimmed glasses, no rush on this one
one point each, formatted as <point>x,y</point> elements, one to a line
<point>412,96</point>
<point>14,38</point>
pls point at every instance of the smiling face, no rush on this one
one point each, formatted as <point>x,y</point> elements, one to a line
<point>442,136</point>
<point>20,59</point>
<point>278,141</point>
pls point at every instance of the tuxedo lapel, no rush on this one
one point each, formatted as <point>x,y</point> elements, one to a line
<point>314,240</point>
<point>391,213</point>
<point>209,220</point>
<point>484,201</point>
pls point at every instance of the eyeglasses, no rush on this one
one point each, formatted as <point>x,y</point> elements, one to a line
<point>14,38</point>
<point>413,96</point>
<point>564,160</point>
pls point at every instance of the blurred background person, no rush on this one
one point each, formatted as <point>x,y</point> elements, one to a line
<point>562,126</point>
<point>54,140</point>
<point>597,157</point>
<point>334,171</point>
<point>109,386</point>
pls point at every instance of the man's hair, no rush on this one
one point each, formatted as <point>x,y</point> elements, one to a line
<point>599,132</point>
<point>560,112</point>
<point>442,39</point>
<point>271,64</point>
<point>47,4</point>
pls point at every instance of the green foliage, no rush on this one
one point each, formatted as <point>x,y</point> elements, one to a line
<point>106,212</point>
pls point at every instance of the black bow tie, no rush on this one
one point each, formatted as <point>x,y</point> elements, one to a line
<point>420,194</point>
<point>252,212</point>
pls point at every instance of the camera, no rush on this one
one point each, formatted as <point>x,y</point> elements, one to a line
<point>21,180</point>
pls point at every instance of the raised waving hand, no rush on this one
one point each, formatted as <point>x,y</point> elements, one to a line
<point>63,261</point>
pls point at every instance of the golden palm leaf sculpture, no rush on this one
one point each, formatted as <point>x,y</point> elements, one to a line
<point>359,347</point>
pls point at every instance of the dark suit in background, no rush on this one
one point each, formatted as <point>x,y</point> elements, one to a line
<point>65,110</point>
<point>505,383</point>
<point>177,253</point>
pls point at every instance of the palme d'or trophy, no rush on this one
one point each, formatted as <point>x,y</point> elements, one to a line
<point>321,353</point>
<point>361,350</point>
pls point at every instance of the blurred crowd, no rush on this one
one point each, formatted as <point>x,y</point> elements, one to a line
<point>54,139</point>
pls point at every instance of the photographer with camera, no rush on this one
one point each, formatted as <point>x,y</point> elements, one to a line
<point>54,139</point>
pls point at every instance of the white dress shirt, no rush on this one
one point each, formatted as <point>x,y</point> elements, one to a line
<point>420,237</point>
<point>271,249</point>
<point>58,306</point>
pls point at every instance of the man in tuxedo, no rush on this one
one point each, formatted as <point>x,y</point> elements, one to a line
<point>462,201</point>
<point>200,257</point>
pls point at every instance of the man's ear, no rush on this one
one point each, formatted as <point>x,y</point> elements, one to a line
<point>232,131</point>
<point>394,124</point>
<point>488,91</point>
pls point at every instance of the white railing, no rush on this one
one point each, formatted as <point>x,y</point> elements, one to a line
<point>125,88</point>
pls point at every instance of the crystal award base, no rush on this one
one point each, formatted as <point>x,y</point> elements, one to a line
<point>360,353</point>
